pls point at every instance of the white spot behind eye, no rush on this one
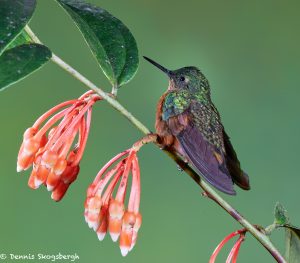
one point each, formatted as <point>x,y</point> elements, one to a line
<point>184,79</point>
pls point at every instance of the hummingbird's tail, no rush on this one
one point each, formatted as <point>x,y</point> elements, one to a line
<point>239,177</point>
<point>243,181</point>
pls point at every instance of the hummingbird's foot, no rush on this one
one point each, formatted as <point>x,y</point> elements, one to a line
<point>113,96</point>
<point>205,194</point>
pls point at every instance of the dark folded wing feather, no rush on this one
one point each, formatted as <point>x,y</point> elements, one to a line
<point>203,154</point>
<point>233,165</point>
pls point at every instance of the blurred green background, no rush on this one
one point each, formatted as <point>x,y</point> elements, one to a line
<point>249,51</point>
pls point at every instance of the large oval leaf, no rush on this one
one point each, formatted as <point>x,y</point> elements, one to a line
<point>20,61</point>
<point>292,234</point>
<point>14,15</point>
<point>109,39</point>
<point>292,252</point>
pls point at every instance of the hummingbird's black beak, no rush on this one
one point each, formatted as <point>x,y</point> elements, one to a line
<point>163,69</point>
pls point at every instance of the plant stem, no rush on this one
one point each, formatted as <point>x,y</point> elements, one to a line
<point>92,86</point>
<point>210,192</point>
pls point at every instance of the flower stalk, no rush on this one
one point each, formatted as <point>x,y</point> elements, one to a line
<point>232,257</point>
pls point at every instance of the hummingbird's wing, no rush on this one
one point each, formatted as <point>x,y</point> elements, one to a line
<point>208,147</point>
<point>205,157</point>
<point>203,141</point>
<point>231,160</point>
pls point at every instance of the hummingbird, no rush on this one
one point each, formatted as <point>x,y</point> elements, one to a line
<point>189,124</point>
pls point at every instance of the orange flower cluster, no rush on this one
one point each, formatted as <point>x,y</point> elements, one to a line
<point>104,213</point>
<point>51,149</point>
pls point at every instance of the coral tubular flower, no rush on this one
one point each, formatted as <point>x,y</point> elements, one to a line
<point>103,212</point>
<point>235,250</point>
<point>232,257</point>
<point>50,147</point>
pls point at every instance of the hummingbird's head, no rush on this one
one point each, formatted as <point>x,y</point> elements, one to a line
<point>187,78</point>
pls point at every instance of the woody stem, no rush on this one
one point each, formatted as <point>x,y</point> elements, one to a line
<point>261,237</point>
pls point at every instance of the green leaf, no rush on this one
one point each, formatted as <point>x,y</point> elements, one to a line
<point>22,38</point>
<point>14,15</point>
<point>292,233</point>
<point>20,61</point>
<point>281,216</point>
<point>292,252</point>
<point>109,39</point>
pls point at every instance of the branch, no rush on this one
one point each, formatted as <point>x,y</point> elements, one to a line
<point>210,192</point>
<point>106,96</point>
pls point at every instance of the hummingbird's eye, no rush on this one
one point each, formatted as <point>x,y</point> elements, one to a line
<point>182,79</point>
